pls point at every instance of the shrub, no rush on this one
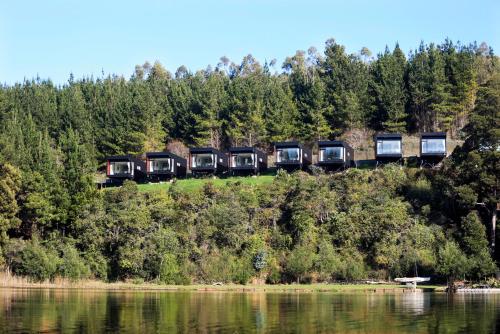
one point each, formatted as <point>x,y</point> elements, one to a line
<point>72,265</point>
<point>328,262</point>
<point>260,260</point>
<point>215,267</point>
<point>169,270</point>
<point>242,270</point>
<point>97,264</point>
<point>352,266</point>
<point>300,261</point>
<point>274,275</point>
<point>35,261</point>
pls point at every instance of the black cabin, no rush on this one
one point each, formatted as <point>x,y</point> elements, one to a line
<point>247,160</point>
<point>432,148</point>
<point>388,148</point>
<point>335,155</point>
<point>207,160</point>
<point>162,166</point>
<point>292,155</point>
<point>124,167</point>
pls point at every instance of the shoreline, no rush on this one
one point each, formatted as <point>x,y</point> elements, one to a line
<point>145,287</point>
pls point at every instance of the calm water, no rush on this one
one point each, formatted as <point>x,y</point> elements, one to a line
<point>50,311</point>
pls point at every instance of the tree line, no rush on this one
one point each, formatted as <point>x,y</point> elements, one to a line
<point>53,220</point>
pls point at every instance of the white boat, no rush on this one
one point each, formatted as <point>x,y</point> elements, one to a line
<point>412,279</point>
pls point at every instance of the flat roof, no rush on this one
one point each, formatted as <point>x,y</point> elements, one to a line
<point>203,150</point>
<point>163,154</point>
<point>243,149</point>
<point>126,157</point>
<point>388,136</point>
<point>326,143</point>
<point>286,144</point>
<point>433,135</point>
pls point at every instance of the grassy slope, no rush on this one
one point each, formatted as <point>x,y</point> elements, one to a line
<point>190,185</point>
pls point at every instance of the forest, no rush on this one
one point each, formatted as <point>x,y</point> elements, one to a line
<point>303,227</point>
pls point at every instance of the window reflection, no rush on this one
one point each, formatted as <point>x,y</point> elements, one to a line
<point>243,160</point>
<point>436,145</point>
<point>203,160</point>
<point>288,155</point>
<point>119,167</point>
<point>388,147</point>
<point>331,153</point>
<point>159,165</point>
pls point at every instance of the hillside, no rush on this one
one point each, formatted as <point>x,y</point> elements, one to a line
<point>191,185</point>
<point>366,222</point>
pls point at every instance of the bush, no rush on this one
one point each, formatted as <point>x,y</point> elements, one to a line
<point>274,275</point>
<point>328,262</point>
<point>260,260</point>
<point>215,267</point>
<point>97,264</point>
<point>242,270</point>
<point>300,261</point>
<point>352,266</point>
<point>169,270</point>
<point>72,265</point>
<point>34,261</point>
<point>452,262</point>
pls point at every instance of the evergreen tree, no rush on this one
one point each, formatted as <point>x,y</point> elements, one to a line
<point>77,176</point>
<point>246,105</point>
<point>310,98</point>
<point>212,100</point>
<point>10,185</point>
<point>281,116</point>
<point>346,80</point>
<point>388,86</point>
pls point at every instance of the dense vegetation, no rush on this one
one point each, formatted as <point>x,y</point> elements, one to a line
<point>383,223</point>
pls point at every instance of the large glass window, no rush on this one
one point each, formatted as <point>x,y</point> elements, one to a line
<point>288,155</point>
<point>119,167</point>
<point>159,165</point>
<point>203,160</point>
<point>243,160</point>
<point>331,153</point>
<point>392,146</point>
<point>433,145</point>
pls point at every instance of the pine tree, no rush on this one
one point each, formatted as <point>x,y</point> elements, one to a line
<point>388,86</point>
<point>78,173</point>
<point>10,185</point>
<point>281,116</point>
<point>212,100</point>
<point>245,123</point>
<point>310,97</point>
<point>346,80</point>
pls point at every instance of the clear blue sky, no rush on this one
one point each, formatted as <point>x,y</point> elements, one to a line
<point>53,38</point>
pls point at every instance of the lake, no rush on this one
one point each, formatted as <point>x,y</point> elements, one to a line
<point>98,311</point>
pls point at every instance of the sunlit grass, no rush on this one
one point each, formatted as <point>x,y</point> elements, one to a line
<point>192,184</point>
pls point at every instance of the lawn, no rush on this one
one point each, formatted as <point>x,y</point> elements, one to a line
<point>191,184</point>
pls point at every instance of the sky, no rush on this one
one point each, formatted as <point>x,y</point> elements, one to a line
<point>52,38</point>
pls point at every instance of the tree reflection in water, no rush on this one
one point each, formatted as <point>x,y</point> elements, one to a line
<point>43,310</point>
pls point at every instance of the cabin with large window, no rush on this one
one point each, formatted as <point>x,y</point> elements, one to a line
<point>388,148</point>
<point>207,160</point>
<point>124,167</point>
<point>432,148</point>
<point>161,166</point>
<point>335,155</point>
<point>247,160</point>
<point>292,156</point>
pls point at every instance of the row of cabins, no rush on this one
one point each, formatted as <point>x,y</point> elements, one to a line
<point>332,155</point>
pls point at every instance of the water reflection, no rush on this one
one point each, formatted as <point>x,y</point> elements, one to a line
<point>413,303</point>
<point>42,310</point>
